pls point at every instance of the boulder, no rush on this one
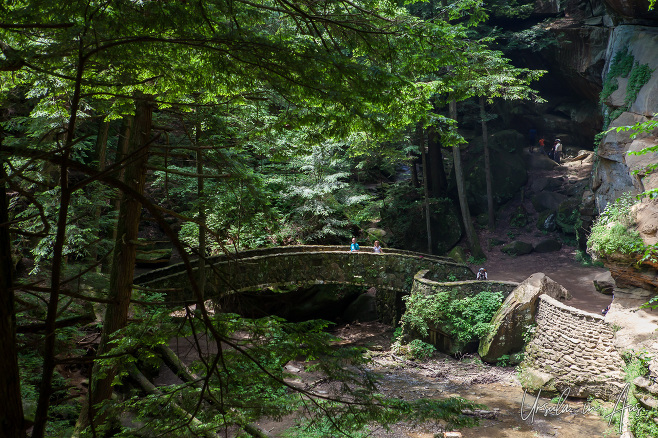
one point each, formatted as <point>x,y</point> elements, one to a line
<point>519,217</point>
<point>363,309</point>
<point>376,234</point>
<point>548,245</point>
<point>604,283</point>
<point>539,162</point>
<point>517,248</point>
<point>568,216</point>
<point>516,315</point>
<point>458,254</point>
<point>539,184</point>
<point>547,221</point>
<point>547,201</point>
<point>508,173</point>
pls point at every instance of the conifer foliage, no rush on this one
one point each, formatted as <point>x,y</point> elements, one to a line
<point>117,109</point>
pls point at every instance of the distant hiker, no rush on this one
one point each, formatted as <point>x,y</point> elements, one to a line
<point>354,246</point>
<point>532,135</point>
<point>557,150</point>
<point>606,310</point>
<point>377,247</point>
<point>482,274</point>
<point>542,145</point>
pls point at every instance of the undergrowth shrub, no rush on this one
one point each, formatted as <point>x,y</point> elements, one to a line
<point>463,318</point>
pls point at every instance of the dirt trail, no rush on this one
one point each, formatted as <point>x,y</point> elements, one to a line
<point>561,265</point>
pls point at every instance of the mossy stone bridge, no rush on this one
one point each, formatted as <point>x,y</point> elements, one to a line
<point>302,266</point>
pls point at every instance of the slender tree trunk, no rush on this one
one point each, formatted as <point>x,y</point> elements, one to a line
<point>101,148</point>
<point>45,387</point>
<point>123,263</point>
<point>471,235</point>
<point>122,151</point>
<point>11,418</point>
<point>414,173</point>
<point>423,154</point>
<point>487,166</point>
<point>437,172</point>
<point>202,214</point>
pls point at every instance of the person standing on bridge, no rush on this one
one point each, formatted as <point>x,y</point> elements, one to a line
<point>354,246</point>
<point>377,247</point>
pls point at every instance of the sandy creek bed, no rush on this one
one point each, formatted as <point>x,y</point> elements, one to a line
<point>440,377</point>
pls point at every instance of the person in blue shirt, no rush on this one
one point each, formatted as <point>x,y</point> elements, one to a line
<point>377,248</point>
<point>354,246</point>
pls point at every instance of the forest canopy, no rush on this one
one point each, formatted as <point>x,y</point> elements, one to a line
<point>219,123</point>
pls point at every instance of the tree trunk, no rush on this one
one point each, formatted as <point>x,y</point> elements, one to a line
<point>437,172</point>
<point>473,241</point>
<point>423,154</point>
<point>487,166</point>
<point>58,258</point>
<point>202,214</point>
<point>123,263</point>
<point>11,419</point>
<point>122,151</point>
<point>414,173</point>
<point>101,148</point>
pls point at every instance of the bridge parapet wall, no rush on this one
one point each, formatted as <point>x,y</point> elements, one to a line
<point>279,250</point>
<point>572,350</point>
<point>390,271</point>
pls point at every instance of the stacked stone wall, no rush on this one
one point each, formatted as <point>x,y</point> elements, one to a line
<point>572,350</point>
<point>463,288</point>
<point>391,273</point>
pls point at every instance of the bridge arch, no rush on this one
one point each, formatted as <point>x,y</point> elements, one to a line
<point>392,271</point>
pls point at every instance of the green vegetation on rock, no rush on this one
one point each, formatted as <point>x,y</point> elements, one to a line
<point>464,318</point>
<point>613,232</point>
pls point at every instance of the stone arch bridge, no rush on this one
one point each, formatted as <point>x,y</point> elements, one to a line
<point>392,271</point>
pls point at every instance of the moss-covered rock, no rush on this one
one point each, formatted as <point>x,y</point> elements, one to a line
<point>517,248</point>
<point>519,217</point>
<point>508,171</point>
<point>403,213</point>
<point>548,245</point>
<point>458,254</point>
<point>551,201</point>
<point>568,216</point>
<point>546,221</point>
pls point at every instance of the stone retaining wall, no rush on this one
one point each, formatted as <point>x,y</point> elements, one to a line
<point>572,350</point>
<point>423,284</point>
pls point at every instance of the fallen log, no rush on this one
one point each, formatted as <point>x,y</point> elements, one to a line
<point>172,360</point>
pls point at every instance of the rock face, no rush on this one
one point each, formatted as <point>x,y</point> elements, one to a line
<point>516,315</point>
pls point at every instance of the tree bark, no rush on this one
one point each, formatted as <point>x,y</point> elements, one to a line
<point>12,424</point>
<point>123,263</point>
<point>423,154</point>
<point>101,148</point>
<point>471,235</point>
<point>414,173</point>
<point>45,387</point>
<point>487,166</point>
<point>202,214</point>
